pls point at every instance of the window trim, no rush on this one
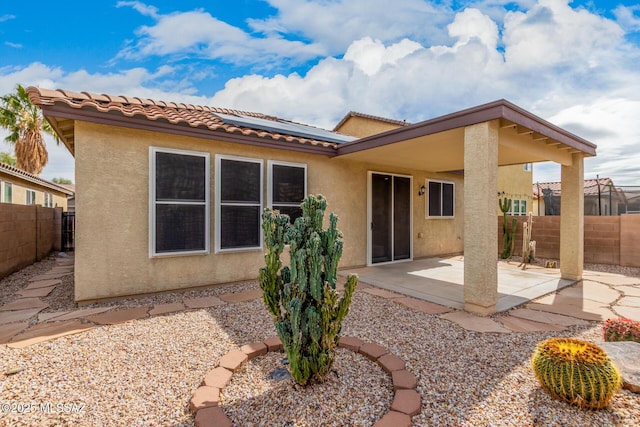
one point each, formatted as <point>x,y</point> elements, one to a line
<point>426,199</point>
<point>270,165</point>
<point>152,202</point>
<point>4,192</point>
<point>218,204</point>
<point>33,197</point>
<point>48,200</point>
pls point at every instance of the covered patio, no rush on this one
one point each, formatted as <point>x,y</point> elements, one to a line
<point>441,281</point>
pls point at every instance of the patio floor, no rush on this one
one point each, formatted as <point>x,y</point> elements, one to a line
<point>440,280</point>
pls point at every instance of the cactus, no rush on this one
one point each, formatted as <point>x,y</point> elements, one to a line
<point>302,298</point>
<point>508,237</point>
<point>621,330</point>
<point>576,371</point>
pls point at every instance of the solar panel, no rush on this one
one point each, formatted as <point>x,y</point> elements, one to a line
<point>285,128</point>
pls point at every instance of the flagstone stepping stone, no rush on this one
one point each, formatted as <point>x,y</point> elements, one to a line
<point>475,323</point>
<point>46,332</point>
<point>119,316</point>
<point>614,280</point>
<point>9,331</point>
<point>43,284</point>
<point>24,304</point>
<point>204,302</point>
<point>49,276</point>
<point>632,313</point>
<point>57,270</point>
<point>517,324</point>
<point>546,317</point>
<point>39,292</point>
<point>382,293</point>
<point>77,314</point>
<point>242,296</point>
<point>583,309</point>
<point>422,306</point>
<point>630,291</point>
<point>626,356</point>
<point>589,290</point>
<point>171,307</point>
<point>44,317</point>
<point>17,316</point>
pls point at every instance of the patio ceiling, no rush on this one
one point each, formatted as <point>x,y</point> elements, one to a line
<point>438,145</point>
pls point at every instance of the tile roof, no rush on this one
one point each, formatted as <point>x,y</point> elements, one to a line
<point>370,117</point>
<point>193,116</point>
<point>14,171</point>
<point>590,187</point>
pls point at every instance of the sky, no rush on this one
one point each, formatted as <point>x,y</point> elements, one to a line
<point>575,64</point>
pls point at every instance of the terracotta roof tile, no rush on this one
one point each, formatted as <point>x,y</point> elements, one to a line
<point>12,170</point>
<point>590,187</point>
<point>195,116</point>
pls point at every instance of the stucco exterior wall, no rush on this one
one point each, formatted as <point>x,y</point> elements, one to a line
<point>362,126</point>
<point>19,192</point>
<point>112,240</point>
<point>515,183</point>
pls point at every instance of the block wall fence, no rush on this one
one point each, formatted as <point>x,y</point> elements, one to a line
<point>27,234</point>
<point>607,239</point>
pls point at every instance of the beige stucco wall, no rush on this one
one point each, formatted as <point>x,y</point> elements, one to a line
<point>515,183</point>
<point>112,240</point>
<point>362,126</point>
<point>19,192</point>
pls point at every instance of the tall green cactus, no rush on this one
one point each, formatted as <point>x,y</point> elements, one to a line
<point>576,371</point>
<point>302,298</point>
<point>509,235</point>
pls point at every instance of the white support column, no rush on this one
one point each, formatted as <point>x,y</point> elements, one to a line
<point>572,220</point>
<point>480,218</point>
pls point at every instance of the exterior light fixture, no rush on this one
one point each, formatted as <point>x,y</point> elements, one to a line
<point>422,191</point>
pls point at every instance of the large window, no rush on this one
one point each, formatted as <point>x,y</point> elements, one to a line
<point>238,203</point>
<point>7,195</point>
<point>179,202</point>
<point>287,187</point>
<point>440,199</point>
<point>48,200</point>
<point>31,197</point>
<point>518,207</point>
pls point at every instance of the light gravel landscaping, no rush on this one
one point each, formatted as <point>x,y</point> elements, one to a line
<point>144,372</point>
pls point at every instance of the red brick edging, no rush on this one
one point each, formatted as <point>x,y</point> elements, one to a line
<point>406,400</point>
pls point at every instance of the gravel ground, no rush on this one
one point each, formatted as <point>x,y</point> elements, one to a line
<point>143,373</point>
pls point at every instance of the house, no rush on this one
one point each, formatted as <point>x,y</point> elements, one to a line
<point>187,184</point>
<point>23,188</point>
<point>601,198</point>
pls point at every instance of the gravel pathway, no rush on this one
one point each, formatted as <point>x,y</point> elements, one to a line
<point>143,373</point>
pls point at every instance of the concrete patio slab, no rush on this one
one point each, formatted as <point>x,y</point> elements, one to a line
<point>422,306</point>
<point>37,293</point>
<point>43,284</point>
<point>382,293</point>
<point>170,307</point>
<point>83,312</point>
<point>46,332</point>
<point>17,316</point>
<point>242,296</point>
<point>546,317</point>
<point>517,324</point>
<point>9,331</point>
<point>119,316</point>
<point>204,302</point>
<point>440,280</point>
<point>24,304</point>
<point>475,323</point>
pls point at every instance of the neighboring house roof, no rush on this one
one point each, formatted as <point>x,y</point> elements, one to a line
<point>61,108</point>
<point>19,173</point>
<point>590,187</point>
<point>193,120</point>
<point>370,117</point>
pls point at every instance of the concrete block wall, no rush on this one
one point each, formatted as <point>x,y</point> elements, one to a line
<point>630,240</point>
<point>602,239</point>
<point>27,234</point>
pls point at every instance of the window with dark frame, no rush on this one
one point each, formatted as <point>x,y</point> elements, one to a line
<point>288,187</point>
<point>180,202</point>
<point>441,199</point>
<point>239,186</point>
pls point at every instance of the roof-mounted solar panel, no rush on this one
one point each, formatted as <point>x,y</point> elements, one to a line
<point>285,128</point>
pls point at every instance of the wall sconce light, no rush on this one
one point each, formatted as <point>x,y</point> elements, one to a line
<point>422,191</point>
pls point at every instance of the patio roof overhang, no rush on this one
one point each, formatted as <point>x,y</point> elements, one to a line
<point>438,144</point>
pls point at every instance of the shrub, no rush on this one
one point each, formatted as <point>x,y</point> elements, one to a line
<point>621,329</point>
<point>576,371</point>
<point>302,298</point>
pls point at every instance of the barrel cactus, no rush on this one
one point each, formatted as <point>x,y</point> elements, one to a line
<point>621,329</point>
<point>576,371</point>
<point>302,298</point>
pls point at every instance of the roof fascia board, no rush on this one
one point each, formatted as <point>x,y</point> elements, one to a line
<point>116,119</point>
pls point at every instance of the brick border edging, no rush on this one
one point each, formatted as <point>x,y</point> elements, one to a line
<point>406,401</point>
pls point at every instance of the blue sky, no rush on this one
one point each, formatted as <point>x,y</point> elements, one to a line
<point>575,64</point>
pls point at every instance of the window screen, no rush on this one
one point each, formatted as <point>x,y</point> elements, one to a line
<point>288,188</point>
<point>240,203</point>
<point>180,202</point>
<point>441,199</point>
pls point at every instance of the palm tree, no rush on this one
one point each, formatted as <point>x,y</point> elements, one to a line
<point>26,126</point>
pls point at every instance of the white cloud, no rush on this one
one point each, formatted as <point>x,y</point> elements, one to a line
<point>140,7</point>
<point>628,17</point>
<point>13,45</point>
<point>369,55</point>
<point>6,17</point>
